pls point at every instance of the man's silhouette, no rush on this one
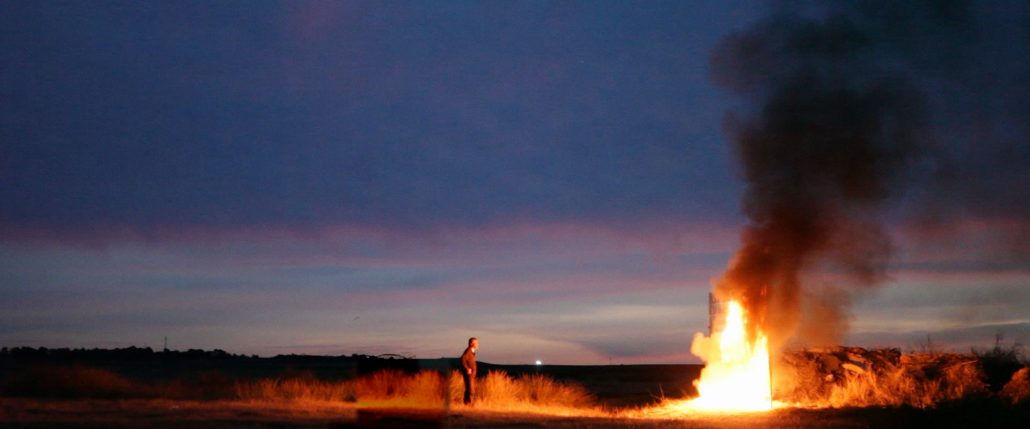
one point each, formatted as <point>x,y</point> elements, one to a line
<point>468,366</point>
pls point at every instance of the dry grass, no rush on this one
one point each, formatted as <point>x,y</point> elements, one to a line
<point>1017,389</point>
<point>919,380</point>
<point>498,391</point>
<point>529,392</point>
<point>425,389</point>
<point>923,381</point>
<point>84,382</point>
<point>304,388</point>
<point>384,388</point>
<point>502,400</point>
<point>47,381</point>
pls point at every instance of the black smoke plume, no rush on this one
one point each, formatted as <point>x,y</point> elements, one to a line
<point>835,123</point>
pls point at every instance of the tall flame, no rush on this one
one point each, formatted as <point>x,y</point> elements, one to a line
<point>736,374</point>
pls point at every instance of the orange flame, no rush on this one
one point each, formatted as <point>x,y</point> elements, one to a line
<point>736,374</point>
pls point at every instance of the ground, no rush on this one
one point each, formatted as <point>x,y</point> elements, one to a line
<point>36,413</point>
<point>120,389</point>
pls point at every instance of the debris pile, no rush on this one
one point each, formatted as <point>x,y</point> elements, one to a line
<point>834,364</point>
<point>853,376</point>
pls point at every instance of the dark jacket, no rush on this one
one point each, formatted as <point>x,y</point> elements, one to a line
<point>468,361</point>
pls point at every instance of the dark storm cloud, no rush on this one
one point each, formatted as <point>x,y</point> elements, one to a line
<point>847,103</point>
<point>305,114</point>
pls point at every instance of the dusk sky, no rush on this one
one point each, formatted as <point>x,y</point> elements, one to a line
<point>555,178</point>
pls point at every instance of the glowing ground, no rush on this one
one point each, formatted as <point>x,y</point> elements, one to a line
<point>167,414</point>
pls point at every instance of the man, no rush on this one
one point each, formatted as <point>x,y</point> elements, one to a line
<point>468,366</point>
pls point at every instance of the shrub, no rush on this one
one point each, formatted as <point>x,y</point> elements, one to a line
<point>73,382</point>
<point>1000,362</point>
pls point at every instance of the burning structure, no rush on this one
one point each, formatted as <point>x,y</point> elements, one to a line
<point>831,128</point>
<point>818,155</point>
<point>737,374</point>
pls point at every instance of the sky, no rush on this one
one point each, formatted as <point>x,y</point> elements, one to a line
<point>555,178</point>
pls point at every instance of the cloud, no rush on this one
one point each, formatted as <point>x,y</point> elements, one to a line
<point>369,289</point>
<point>153,121</point>
<point>950,339</point>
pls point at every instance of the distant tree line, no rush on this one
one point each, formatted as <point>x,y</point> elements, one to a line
<point>147,353</point>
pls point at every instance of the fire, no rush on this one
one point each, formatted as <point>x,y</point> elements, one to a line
<point>736,374</point>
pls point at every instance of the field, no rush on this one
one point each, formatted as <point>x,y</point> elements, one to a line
<point>141,388</point>
<point>89,413</point>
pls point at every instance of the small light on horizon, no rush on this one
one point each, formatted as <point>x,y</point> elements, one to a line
<point>538,362</point>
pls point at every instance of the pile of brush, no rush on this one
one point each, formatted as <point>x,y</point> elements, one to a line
<point>837,363</point>
<point>854,377</point>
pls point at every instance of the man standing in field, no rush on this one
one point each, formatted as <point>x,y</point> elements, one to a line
<point>468,366</point>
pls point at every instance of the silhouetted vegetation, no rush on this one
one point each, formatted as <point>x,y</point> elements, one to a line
<point>920,380</point>
<point>425,389</point>
<point>1000,362</point>
<point>135,372</point>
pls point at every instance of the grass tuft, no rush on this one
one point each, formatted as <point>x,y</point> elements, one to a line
<point>500,391</point>
<point>1017,389</point>
<point>300,388</point>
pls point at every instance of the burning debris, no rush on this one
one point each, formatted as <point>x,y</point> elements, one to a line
<point>842,377</point>
<point>836,363</point>
<point>741,375</point>
<point>855,377</point>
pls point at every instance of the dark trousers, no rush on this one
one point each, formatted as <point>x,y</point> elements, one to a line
<point>470,381</point>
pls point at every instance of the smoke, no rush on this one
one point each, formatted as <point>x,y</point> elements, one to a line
<point>839,116</point>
